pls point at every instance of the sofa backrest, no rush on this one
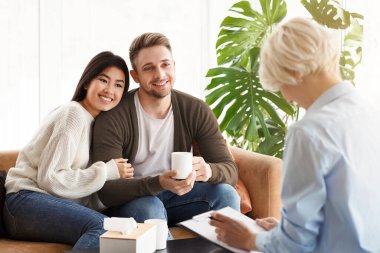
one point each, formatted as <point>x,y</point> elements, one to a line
<point>8,159</point>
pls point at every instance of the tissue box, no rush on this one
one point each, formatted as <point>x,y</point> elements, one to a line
<point>140,240</point>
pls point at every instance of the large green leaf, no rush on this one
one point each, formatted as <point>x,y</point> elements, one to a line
<point>240,95</point>
<point>246,29</point>
<point>270,146</point>
<point>329,13</point>
<point>235,94</point>
<point>273,145</point>
<point>351,55</point>
<point>274,11</point>
<point>347,66</point>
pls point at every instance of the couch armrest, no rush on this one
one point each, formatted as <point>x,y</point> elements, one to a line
<point>8,159</point>
<point>261,174</point>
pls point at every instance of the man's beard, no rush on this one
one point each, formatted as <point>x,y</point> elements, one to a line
<point>155,94</point>
<point>159,95</point>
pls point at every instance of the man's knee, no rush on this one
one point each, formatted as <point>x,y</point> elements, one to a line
<point>226,196</point>
<point>143,208</point>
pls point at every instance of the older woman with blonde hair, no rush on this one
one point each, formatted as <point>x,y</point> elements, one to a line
<point>330,161</point>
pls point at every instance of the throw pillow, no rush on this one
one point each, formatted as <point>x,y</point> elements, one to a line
<point>245,200</point>
<point>3,174</point>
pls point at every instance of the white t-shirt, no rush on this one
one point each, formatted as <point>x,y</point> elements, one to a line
<point>156,141</point>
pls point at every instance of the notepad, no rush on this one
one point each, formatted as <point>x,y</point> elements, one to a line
<point>200,225</point>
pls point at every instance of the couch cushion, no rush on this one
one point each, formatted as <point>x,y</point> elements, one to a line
<point>3,174</point>
<point>13,246</point>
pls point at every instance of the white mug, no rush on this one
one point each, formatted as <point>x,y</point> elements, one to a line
<point>162,231</point>
<point>183,163</point>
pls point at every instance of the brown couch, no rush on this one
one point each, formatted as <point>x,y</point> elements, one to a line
<point>261,175</point>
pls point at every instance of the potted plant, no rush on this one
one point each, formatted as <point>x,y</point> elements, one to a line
<point>251,117</point>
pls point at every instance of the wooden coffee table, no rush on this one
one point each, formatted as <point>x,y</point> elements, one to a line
<point>181,233</point>
<point>190,245</point>
<point>184,241</point>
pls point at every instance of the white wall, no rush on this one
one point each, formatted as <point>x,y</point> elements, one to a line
<point>45,45</point>
<point>19,72</point>
<point>73,31</point>
<point>369,74</point>
<point>49,42</point>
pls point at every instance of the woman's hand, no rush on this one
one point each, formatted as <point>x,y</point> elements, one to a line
<point>125,169</point>
<point>267,223</point>
<point>233,232</point>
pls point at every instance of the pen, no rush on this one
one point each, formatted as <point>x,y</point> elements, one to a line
<point>203,216</point>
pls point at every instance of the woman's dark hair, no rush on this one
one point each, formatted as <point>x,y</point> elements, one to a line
<point>95,67</point>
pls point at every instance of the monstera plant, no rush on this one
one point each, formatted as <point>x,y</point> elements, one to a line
<point>251,117</point>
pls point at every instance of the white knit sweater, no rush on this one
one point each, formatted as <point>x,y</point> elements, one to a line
<point>55,160</point>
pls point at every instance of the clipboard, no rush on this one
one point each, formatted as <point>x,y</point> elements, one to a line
<point>200,225</point>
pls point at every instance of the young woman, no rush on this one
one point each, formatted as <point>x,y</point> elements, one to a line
<point>51,192</point>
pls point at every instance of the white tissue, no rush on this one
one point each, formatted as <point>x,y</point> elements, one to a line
<point>122,225</point>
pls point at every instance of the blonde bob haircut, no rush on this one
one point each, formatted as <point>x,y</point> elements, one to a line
<point>298,48</point>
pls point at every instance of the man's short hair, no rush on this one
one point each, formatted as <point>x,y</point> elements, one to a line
<point>147,40</point>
